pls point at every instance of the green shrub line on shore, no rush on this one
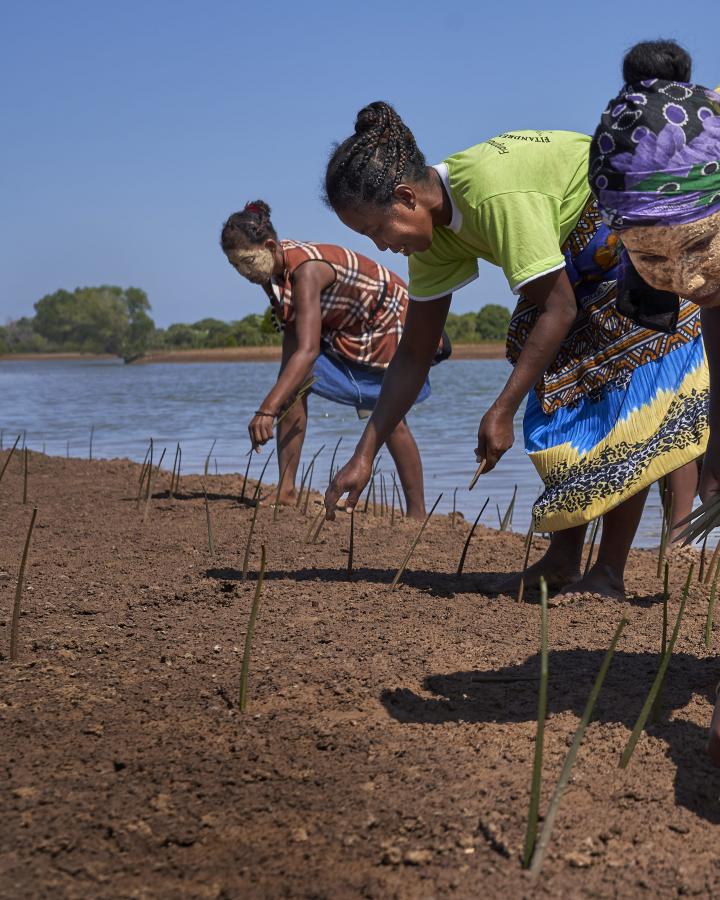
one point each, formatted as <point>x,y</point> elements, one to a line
<point>114,320</point>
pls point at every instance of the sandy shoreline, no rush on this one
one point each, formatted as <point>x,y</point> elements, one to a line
<point>388,742</point>
<point>485,350</point>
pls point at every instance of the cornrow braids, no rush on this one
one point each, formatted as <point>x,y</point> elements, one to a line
<point>372,162</point>
<point>248,228</point>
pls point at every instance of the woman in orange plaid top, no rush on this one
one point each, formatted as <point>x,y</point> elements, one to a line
<point>342,316</point>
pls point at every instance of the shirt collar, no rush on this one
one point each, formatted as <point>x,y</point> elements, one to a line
<point>457,219</point>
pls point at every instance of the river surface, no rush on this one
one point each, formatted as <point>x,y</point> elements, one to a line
<point>57,402</point>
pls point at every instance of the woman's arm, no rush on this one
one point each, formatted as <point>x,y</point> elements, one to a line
<point>554,297</point>
<point>301,346</point>
<point>710,478</point>
<point>402,383</point>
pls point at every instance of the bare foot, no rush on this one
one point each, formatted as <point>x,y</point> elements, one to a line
<point>287,498</point>
<point>417,514</point>
<point>600,583</point>
<point>557,573</point>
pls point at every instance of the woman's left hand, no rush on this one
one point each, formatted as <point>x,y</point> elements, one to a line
<point>496,436</point>
<point>261,429</point>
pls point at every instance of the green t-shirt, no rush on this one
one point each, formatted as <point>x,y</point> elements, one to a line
<point>515,199</point>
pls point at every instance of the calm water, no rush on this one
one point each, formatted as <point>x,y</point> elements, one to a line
<point>56,402</point>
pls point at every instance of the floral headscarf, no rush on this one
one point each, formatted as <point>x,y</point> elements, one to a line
<point>655,156</point>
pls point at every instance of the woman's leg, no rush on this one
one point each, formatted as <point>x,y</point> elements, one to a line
<point>290,439</point>
<point>406,456</point>
<point>607,575</point>
<point>559,566</point>
<point>682,484</point>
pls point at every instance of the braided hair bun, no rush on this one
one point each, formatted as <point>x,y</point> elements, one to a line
<point>369,165</point>
<point>248,228</point>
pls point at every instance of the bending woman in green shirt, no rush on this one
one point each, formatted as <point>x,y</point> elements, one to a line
<point>611,408</point>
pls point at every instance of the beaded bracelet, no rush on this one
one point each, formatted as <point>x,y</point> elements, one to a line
<point>261,412</point>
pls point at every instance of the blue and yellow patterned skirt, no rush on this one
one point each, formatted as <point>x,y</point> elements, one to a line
<point>621,406</point>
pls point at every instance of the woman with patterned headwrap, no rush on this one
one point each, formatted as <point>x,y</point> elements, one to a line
<point>655,171</point>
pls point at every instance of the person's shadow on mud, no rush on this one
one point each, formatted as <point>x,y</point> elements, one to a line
<point>509,694</point>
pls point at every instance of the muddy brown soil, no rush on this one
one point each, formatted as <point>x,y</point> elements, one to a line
<point>387,746</point>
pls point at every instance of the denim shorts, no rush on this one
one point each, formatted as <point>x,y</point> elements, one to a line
<point>352,384</point>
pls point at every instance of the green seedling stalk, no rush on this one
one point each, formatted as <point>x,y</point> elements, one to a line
<point>536,782</point>
<point>316,533</point>
<point>665,532</point>
<point>152,475</point>
<point>144,463</point>
<point>659,678</point>
<point>2,436</point>
<point>171,492</point>
<point>351,550</point>
<point>544,838</point>
<point>701,573</point>
<point>593,536</point>
<point>711,606</point>
<point>67,449</point>
<point>15,624</point>
<point>663,639</point>
<point>405,561</point>
<point>211,537</point>
<point>92,435</point>
<point>700,521</point>
<point>302,391</point>
<point>367,495</point>
<point>469,538</point>
<point>250,631</point>
<point>332,461</point>
<point>207,458</point>
<point>713,563</point>
<point>276,511</point>
<point>25,475</point>
<point>452,519</point>
<point>258,486</point>
<point>146,466</point>
<point>313,525</point>
<point>247,470</point>
<point>246,558</point>
<point>305,473</point>
<point>392,511</point>
<point>497,507</point>
<point>374,499</point>
<point>311,471</point>
<point>12,450</point>
<point>506,522</point>
<point>478,472</point>
<point>383,497</point>
<point>528,548</point>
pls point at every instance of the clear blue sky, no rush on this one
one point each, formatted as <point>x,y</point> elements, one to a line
<point>131,130</point>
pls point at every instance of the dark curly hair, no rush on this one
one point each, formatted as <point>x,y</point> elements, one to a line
<point>250,227</point>
<point>372,162</point>
<point>665,60</point>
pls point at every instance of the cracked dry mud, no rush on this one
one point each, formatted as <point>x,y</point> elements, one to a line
<point>387,747</point>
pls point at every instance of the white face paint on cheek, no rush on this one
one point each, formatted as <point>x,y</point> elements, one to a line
<point>255,264</point>
<point>684,259</point>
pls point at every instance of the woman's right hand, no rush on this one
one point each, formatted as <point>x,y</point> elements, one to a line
<point>350,480</point>
<point>261,429</point>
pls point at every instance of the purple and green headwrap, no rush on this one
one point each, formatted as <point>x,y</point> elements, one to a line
<point>655,157</point>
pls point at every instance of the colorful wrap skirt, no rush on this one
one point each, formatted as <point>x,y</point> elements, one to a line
<point>621,406</point>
